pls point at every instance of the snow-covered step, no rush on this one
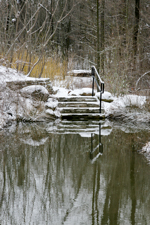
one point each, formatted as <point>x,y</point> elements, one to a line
<point>77,99</point>
<point>79,116</point>
<point>78,104</point>
<point>80,110</point>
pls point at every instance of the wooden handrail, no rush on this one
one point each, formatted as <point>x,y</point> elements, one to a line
<point>99,82</point>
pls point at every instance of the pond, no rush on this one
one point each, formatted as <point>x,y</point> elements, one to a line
<point>74,173</point>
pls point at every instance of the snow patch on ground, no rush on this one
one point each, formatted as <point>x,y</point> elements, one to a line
<point>9,74</point>
<point>122,102</point>
<point>79,71</point>
<point>61,92</point>
<point>30,89</point>
<point>106,96</point>
<point>82,91</point>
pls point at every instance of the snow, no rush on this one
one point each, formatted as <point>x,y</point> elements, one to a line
<point>146,148</point>
<point>77,92</point>
<point>123,102</point>
<point>103,132</point>
<point>106,96</point>
<point>61,92</point>
<point>32,142</point>
<point>14,104</point>
<point>9,74</point>
<point>17,103</point>
<point>79,71</point>
<point>51,103</point>
<point>30,89</point>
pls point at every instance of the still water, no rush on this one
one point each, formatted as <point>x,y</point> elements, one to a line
<point>73,174</point>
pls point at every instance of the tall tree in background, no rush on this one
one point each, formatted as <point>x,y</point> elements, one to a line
<point>98,34</point>
<point>102,34</point>
<point>136,26</point>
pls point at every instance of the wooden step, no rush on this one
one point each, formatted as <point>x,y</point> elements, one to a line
<point>81,116</point>
<point>81,110</point>
<point>77,99</point>
<point>78,104</point>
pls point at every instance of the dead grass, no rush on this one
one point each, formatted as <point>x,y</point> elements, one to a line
<point>116,83</point>
<point>47,67</point>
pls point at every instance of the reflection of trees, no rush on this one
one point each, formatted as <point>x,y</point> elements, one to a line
<point>96,145</point>
<point>132,183</point>
<point>71,205</point>
<point>95,197</point>
<point>56,181</point>
<point>112,200</point>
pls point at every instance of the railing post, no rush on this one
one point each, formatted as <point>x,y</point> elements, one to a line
<point>93,75</point>
<point>100,102</point>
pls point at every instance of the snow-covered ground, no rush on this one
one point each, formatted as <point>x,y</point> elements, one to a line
<point>34,103</point>
<point>22,98</point>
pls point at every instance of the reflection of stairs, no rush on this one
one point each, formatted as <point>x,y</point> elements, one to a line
<point>79,107</point>
<point>82,127</point>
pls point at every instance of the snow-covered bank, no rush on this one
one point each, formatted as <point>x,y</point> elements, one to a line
<point>128,108</point>
<point>24,98</point>
<point>34,99</point>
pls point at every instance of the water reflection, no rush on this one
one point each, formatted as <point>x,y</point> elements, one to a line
<point>132,184</point>
<point>96,146</point>
<point>48,178</point>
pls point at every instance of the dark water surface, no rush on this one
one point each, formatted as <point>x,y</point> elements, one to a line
<point>49,176</point>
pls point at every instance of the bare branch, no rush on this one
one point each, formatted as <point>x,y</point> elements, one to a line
<point>21,31</point>
<point>59,21</point>
<point>34,66</point>
<point>140,79</point>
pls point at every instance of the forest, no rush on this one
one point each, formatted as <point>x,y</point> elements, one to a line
<point>45,38</point>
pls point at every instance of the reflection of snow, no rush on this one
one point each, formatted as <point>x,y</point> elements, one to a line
<point>32,142</point>
<point>146,148</point>
<point>104,132</point>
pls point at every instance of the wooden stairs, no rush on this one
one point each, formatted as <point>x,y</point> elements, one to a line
<point>80,108</point>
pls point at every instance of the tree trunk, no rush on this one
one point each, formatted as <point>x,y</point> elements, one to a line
<point>98,38</point>
<point>136,26</point>
<point>102,35</point>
